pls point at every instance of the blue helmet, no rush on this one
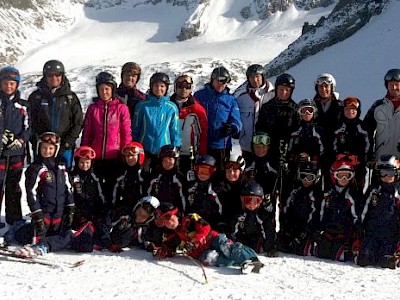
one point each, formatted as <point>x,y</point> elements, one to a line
<point>10,73</point>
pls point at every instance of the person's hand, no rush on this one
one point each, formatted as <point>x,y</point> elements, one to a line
<point>38,223</point>
<point>8,137</point>
<point>188,247</point>
<point>227,129</point>
<point>161,252</point>
<point>15,145</point>
<point>69,215</point>
<point>115,248</point>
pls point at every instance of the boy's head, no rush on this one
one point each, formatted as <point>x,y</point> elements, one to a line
<point>145,210</point>
<point>204,167</point>
<point>168,156</point>
<point>48,145</point>
<point>308,173</point>
<point>159,83</point>
<point>307,110</point>
<point>234,167</point>
<point>388,168</point>
<point>260,142</point>
<point>252,195</point>
<point>342,172</point>
<point>83,157</point>
<point>351,108</point>
<point>166,216</point>
<point>9,80</point>
<point>133,154</point>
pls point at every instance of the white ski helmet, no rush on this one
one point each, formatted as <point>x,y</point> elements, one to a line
<point>326,78</point>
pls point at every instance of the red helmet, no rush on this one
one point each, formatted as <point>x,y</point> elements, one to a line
<point>85,152</point>
<point>134,148</point>
<point>341,166</point>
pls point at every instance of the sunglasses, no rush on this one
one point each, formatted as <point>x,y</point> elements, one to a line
<point>309,177</point>
<point>184,85</point>
<point>87,153</point>
<point>53,75</point>
<point>204,170</point>
<point>387,173</point>
<point>324,80</point>
<point>307,110</point>
<point>261,140</point>
<point>50,138</point>
<point>343,175</point>
<point>251,200</point>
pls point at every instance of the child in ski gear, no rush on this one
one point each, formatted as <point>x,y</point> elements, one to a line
<point>228,190</point>
<point>107,130</point>
<point>48,190</point>
<point>15,131</point>
<point>193,123</point>
<point>222,113</point>
<point>169,185</point>
<point>195,237</point>
<point>380,218</point>
<point>255,226</point>
<point>156,121</point>
<point>339,220</point>
<point>127,90</point>
<point>278,117</point>
<point>56,109</point>
<point>202,199</point>
<point>301,214</point>
<point>256,91</point>
<point>352,140</point>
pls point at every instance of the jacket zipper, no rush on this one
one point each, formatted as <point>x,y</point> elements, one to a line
<point>103,152</point>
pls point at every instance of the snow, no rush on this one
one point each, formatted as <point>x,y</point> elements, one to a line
<point>107,38</point>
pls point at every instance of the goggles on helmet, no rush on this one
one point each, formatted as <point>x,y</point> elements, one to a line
<point>324,80</point>
<point>222,79</point>
<point>131,151</point>
<point>392,76</point>
<point>261,139</point>
<point>85,153</point>
<point>351,102</point>
<point>387,172</point>
<point>11,74</point>
<point>304,176</point>
<point>307,110</point>
<point>204,170</point>
<point>343,175</point>
<point>232,166</point>
<point>50,137</point>
<point>251,200</point>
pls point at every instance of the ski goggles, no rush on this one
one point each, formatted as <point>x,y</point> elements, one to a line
<point>204,170</point>
<point>324,80</point>
<point>232,166</point>
<point>50,137</point>
<point>222,79</point>
<point>11,74</point>
<point>351,102</point>
<point>309,177</point>
<point>261,140</point>
<point>307,110</point>
<point>392,76</point>
<point>131,151</point>
<point>184,85</point>
<point>86,153</point>
<point>387,172</point>
<point>251,200</point>
<point>343,175</point>
<point>162,219</point>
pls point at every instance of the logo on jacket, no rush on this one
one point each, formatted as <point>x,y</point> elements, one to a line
<point>374,199</point>
<point>49,177</point>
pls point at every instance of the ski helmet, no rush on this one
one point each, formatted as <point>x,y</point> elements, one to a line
<point>10,73</point>
<point>307,106</point>
<point>325,78</point>
<point>168,151</point>
<point>235,161</point>
<point>285,80</point>
<point>392,75</point>
<point>206,160</point>
<point>149,204</point>
<point>156,77</point>
<point>341,166</point>
<point>50,138</point>
<point>256,69</point>
<point>252,189</point>
<point>221,74</point>
<point>85,152</point>
<point>53,66</point>
<point>353,102</point>
<point>134,148</point>
<point>261,138</point>
<point>309,171</point>
<point>388,165</point>
<point>106,78</point>
<point>133,68</point>
<point>164,212</point>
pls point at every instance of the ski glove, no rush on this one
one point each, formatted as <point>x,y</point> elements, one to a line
<point>8,137</point>
<point>15,145</point>
<point>228,129</point>
<point>40,226</point>
<point>162,252</point>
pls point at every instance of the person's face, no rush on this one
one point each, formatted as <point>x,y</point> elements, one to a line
<point>394,89</point>
<point>53,79</point>
<point>105,92</point>
<point>256,80</point>
<point>129,79</point>
<point>387,179</point>
<point>232,174</point>
<point>183,90</point>
<point>283,92</point>
<point>307,183</point>
<point>47,150</point>
<point>324,90</point>
<point>172,222</point>
<point>159,89</point>
<point>141,215</point>
<point>168,163</point>
<point>204,172</point>
<point>307,117</point>
<point>131,159</point>
<point>8,86</point>
<point>251,202</point>
<point>260,150</point>
<point>84,164</point>
<point>350,112</point>
<point>219,86</point>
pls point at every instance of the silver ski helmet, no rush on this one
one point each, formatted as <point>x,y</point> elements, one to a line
<point>325,78</point>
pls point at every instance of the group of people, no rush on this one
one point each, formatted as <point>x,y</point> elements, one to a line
<point>158,171</point>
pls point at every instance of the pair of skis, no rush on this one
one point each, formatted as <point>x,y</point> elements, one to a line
<point>11,255</point>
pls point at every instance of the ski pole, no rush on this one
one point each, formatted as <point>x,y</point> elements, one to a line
<point>183,253</point>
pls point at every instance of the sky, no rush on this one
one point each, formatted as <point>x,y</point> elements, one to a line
<point>105,39</point>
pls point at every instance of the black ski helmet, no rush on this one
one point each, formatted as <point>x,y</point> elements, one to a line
<point>311,168</point>
<point>285,80</point>
<point>252,189</point>
<point>106,78</point>
<point>168,151</point>
<point>221,73</point>
<point>133,68</point>
<point>53,66</point>
<point>156,77</point>
<point>392,75</point>
<point>256,69</point>
<point>206,160</point>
